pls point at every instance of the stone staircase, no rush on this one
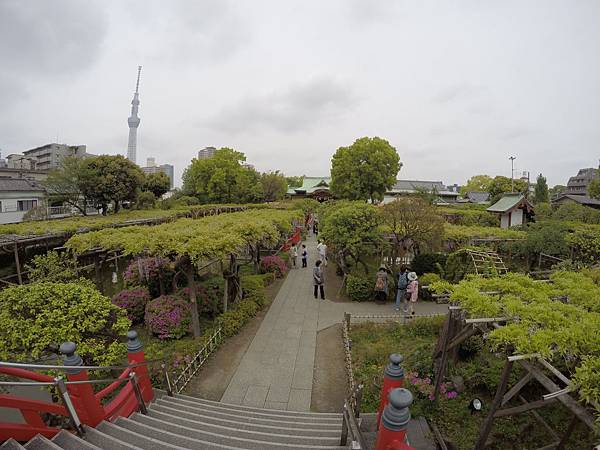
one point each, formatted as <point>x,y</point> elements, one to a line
<point>183,422</point>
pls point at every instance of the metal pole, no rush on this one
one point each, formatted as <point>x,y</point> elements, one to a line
<point>167,380</point>
<point>512,173</point>
<point>66,399</point>
<point>138,394</point>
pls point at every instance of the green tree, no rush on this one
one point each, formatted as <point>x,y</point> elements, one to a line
<point>293,182</point>
<point>36,318</point>
<point>351,229</point>
<point>594,188</point>
<point>222,178</point>
<point>112,179</point>
<point>501,185</point>
<point>477,183</point>
<point>365,170</point>
<point>274,186</point>
<point>541,190</point>
<point>157,183</point>
<point>68,183</point>
<point>52,266</point>
<point>145,200</point>
<point>414,223</point>
<point>556,190</point>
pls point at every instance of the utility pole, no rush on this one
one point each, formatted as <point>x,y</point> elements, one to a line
<point>512,173</point>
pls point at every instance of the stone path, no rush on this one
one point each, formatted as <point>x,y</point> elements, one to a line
<point>277,370</point>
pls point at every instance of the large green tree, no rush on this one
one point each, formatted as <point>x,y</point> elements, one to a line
<point>112,178</point>
<point>593,189</point>
<point>502,185</point>
<point>477,183</point>
<point>222,178</point>
<point>157,183</point>
<point>365,170</point>
<point>541,190</point>
<point>274,186</point>
<point>67,183</point>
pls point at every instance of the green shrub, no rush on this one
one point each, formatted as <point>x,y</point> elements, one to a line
<point>428,278</point>
<point>359,289</point>
<point>36,318</point>
<point>53,266</point>
<point>428,263</point>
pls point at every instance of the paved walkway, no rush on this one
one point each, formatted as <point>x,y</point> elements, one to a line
<point>277,370</point>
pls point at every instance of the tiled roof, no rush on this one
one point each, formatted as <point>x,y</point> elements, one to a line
<point>20,184</point>
<point>581,199</point>
<point>478,197</point>
<point>508,202</point>
<point>311,184</point>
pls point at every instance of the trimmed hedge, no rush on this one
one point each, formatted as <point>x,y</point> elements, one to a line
<point>359,289</point>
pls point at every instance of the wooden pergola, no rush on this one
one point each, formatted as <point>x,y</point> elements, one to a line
<point>457,328</point>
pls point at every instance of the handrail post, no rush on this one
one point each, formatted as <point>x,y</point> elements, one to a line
<point>87,405</point>
<point>344,437</point>
<point>393,377</point>
<point>167,380</point>
<point>138,393</point>
<point>66,399</point>
<point>358,401</point>
<point>135,355</point>
<point>394,422</point>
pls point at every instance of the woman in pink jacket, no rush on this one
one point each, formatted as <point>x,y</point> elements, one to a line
<point>412,292</point>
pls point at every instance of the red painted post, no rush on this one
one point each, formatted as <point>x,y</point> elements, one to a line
<point>89,409</point>
<point>135,355</point>
<point>393,377</point>
<point>394,422</point>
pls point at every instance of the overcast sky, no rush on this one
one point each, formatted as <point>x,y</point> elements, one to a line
<point>456,86</point>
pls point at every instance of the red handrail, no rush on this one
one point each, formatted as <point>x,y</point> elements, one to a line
<point>30,409</point>
<point>26,374</point>
<point>114,385</point>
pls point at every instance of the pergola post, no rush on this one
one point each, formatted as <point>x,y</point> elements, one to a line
<point>189,272</point>
<point>18,264</point>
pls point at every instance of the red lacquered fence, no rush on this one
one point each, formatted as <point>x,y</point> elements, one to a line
<point>79,403</point>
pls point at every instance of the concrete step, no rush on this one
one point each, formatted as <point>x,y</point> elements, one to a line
<point>41,443</point>
<point>243,422</point>
<point>254,409</point>
<point>188,428</point>
<point>11,444</point>
<point>107,442</point>
<point>273,434</point>
<point>69,441</point>
<point>239,411</point>
<point>138,440</point>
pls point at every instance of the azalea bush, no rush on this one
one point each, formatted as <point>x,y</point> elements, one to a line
<point>273,264</point>
<point>208,300</point>
<point>359,288</point>
<point>133,301</point>
<point>168,317</point>
<point>151,272</point>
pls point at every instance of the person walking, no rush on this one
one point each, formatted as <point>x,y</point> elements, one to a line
<point>322,250</point>
<point>318,279</point>
<point>412,292</point>
<point>401,284</point>
<point>315,227</point>
<point>304,255</point>
<point>381,284</point>
<point>294,255</point>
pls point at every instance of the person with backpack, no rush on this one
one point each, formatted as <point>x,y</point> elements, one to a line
<point>412,292</point>
<point>304,255</point>
<point>318,279</point>
<point>401,285</point>
<point>381,285</point>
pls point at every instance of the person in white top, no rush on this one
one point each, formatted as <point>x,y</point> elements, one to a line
<point>322,250</point>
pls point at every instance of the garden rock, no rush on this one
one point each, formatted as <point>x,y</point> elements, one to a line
<point>459,383</point>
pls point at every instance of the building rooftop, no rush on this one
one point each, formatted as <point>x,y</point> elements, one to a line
<point>581,199</point>
<point>20,184</point>
<point>510,201</point>
<point>311,184</point>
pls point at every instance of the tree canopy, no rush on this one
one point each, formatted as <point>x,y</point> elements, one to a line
<point>365,170</point>
<point>274,186</point>
<point>68,183</point>
<point>477,183</point>
<point>594,188</point>
<point>502,185</point>
<point>222,178</point>
<point>112,178</point>
<point>157,183</point>
<point>541,190</point>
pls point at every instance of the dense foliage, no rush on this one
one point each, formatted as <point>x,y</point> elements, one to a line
<point>501,185</point>
<point>538,321</point>
<point>154,273</point>
<point>157,183</point>
<point>68,183</point>
<point>133,301</point>
<point>274,264</point>
<point>365,170</point>
<point>359,287</point>
<point>168,317</point>
<point>52,266</point>
<point>477,183</point>
<point>541,194</point>
<point>36,318</point>
<point>464,235</point>
<point>429,262</point>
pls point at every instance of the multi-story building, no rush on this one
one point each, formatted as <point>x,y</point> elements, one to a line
<point>46,157</point>
<point>152,167</point>
<point>206,153</point>
<point>578,184</point>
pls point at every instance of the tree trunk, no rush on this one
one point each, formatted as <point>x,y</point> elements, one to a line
<point>192,287</point>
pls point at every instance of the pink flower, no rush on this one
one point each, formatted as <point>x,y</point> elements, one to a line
<point>431,397</point>
<point>452,394</point>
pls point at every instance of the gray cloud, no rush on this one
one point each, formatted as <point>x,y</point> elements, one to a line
<point>294,109</point>
<point>458,92</point>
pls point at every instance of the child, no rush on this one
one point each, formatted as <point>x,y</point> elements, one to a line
<point>304,255</point>
<point>412,292</point>
<point>294,252</point>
